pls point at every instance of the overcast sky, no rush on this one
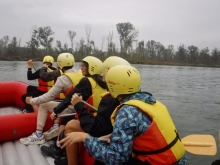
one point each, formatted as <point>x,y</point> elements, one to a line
<point>188,22</point>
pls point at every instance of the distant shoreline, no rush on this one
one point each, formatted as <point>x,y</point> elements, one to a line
<point>142,63</point>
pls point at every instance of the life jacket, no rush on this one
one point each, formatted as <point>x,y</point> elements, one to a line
<point>95,98</point>
<point>75,78</point>
<point>105,94</point>
<point>46,86</point>
<point>43,85</point>
<point>61,95</point>
<point>160,144</point>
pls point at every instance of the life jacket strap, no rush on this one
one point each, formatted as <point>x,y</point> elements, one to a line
<point>160,150</point>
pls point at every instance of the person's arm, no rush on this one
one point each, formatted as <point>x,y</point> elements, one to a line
<point>83,87</point>
<point>126,127</point>
<point>33,76</point>
<point>30,75</point>
<point>49,76</point>
<point>100,124</point>
<point>62,84</point>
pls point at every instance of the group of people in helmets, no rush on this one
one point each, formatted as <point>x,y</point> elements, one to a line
<point>129,127</point>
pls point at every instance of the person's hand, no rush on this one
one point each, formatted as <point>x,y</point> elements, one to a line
<point>106,138</point>
<point>52,116</point>
<point>45,65</point>
<point>28,100</point>
<point>75,99</point>
<point>73,137</point>
<point>30,63</point>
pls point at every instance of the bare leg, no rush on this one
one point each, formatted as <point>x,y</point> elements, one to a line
<point>61,127</point>
<point>73,150</point>
<point>35,108</point>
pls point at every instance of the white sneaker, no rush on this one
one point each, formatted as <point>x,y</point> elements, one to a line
<point>33,139</point>
<point>51,133</point>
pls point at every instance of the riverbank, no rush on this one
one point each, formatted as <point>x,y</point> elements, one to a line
<point>132,61</point>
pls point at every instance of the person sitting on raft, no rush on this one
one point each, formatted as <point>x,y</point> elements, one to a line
<point>141,125</point>
<point>98,125</point>
<point>64,83</point>
<point>46,77</point>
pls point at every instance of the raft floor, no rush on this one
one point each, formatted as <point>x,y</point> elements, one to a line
<point>15,153</point>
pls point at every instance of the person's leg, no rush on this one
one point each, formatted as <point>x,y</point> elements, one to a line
<point>36,94</point>
<point>31,88</point>
<point>28,107</point>
<point>35,108</point>
<point>53,131</point>
<point>73,150</point>
<point>54,150</point>
<point>37,137</point>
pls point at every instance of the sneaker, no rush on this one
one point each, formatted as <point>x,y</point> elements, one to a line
<point>53,151</point>
<point>25,111</point>
<point>33,139</point>
<point>61,161</point>
<point>51,133</point>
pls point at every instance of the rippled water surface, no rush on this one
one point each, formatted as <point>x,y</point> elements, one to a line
<point>191,94</point>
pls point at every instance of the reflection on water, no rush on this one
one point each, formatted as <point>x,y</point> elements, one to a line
<point>191,94</point>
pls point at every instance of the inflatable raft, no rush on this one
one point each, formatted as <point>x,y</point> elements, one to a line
<point>15,125</point>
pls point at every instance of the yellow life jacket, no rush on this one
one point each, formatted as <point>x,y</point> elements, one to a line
<point>97,92</point>
<point>75,78</point>
<point>105,94</point>
<point>160,144</point>
<point>61,95</point>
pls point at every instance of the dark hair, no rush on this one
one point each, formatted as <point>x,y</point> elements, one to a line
<point>48,63</point>
<point>99,80</point>
<point>66,68</point>
<point>85,63</point>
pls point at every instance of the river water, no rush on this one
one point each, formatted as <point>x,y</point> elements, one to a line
<point>191,94</point>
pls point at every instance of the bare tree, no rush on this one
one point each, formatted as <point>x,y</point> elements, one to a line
<point>12,48</point>
<point>5,40</point>
<point>19,43</point>
<point>109,38</point>
<point>140,49</point>
<point>71,35</point>
<point>88,32</point>
<point>92,43</point>
<point>103,41</point>
<point>59,47</point>
<point>81,47</point>
<point>66,47</point>
<point>151,49</point>
<point>110,44</point>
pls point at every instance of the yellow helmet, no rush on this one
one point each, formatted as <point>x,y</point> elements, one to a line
<point>123,79</point>
<point>113,61</point>
<point>95,65</point>
<point>65,59</point>
<point>48,59</point>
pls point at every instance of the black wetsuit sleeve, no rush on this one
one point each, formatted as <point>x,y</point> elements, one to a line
<point>49,76</point>
<point>100,124</point>
<point>84,87</point>
<point>33,76</point>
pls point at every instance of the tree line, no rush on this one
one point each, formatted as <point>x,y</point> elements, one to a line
<point>150,52</point>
